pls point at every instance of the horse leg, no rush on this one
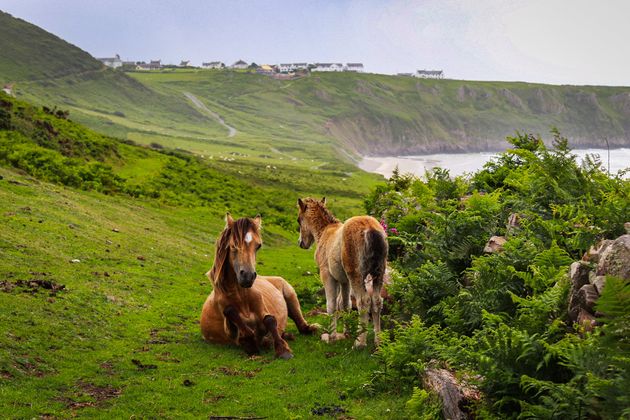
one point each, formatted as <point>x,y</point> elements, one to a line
<point>377,306</point>
<point>295,312</point>
<point>331,287</point>
<point>344,303</point>
<point>247,337</point>
<point>281,347</point>
<point>364,302</point>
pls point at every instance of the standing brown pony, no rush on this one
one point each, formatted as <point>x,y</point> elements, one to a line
<point>245,308</point>
<point>351,258</point>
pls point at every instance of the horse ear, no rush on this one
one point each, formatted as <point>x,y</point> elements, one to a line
<point>229,221</point>
<point>258,221</point>
<point>324,200</point>
<point>301,204</point>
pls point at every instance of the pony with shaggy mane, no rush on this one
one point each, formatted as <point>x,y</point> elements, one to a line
<point>245,308</point>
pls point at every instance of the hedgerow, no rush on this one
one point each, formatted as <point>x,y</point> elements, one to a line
<point>502,317</point>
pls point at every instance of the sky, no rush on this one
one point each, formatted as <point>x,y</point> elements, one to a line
<point>549,41</point>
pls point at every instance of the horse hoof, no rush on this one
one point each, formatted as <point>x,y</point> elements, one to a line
<point>286,355</point>
<point>325,337</point>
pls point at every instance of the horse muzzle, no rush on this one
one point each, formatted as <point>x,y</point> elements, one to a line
<point>246,279</point>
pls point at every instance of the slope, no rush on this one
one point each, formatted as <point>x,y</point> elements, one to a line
<point>379,114</point>
<point>47,70</point>
<point>102,254</point>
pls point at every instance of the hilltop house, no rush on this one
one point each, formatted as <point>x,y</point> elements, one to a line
<point>184,63</point>
<point>266,69</point>
<point>328,67</point>
<point>239,65</point>
<point>356,67</point>
<point>113,62</point>
<point>290,67</point>
<point>153,65</point>
<point>213,65</point>
<point>430,74</point>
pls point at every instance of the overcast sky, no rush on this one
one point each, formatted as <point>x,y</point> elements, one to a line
<point>550,41</point>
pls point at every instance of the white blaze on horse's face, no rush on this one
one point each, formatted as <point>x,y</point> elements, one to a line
<point>243,258</point>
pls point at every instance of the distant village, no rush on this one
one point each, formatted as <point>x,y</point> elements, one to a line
<point>282,70</point>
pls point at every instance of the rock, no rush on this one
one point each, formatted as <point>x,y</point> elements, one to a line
<point>615,259</point>
<point>627,227</point>
<point>579,276</point>
<point>599,283</point>
<point>495,244</point>
<point>586,297</point>
<point>514,221</point>
<point>586,320</point>
<point>75,261</point>
<point>594,253</point>
<point>115,230</point>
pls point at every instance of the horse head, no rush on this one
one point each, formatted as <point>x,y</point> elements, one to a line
<point>237,245</point>
<point>313,216</point>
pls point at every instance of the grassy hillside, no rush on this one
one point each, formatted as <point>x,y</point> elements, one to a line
<point>47,70</point>
<point>368,113</point>
<point>103,252</point>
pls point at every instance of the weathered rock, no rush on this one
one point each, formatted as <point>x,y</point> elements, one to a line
<point>586,297</point>
<point>599,282</point>
<point>495,244</point>
<point>586,320</point>
<point>594,253</point>
<point>615,259</point>
<point>513,224</point>
<point>579,275</point>
<point>627,227</point>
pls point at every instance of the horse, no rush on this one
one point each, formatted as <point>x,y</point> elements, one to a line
<point>244,308</point>
<point>352,257</point>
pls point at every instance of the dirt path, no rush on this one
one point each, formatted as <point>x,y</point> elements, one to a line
<point>200,105</point>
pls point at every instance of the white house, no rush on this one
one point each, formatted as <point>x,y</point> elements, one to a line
<point>430,74</point>
<point>286,67</point>
<point>356,67</point>
<point>113,62</point>
<point>213,65</point>
<point>328,67</point>
<point>153,65</point>
<point>239,65</point>
<point>290,67</point>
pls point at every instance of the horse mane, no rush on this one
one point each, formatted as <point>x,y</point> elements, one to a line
<point>237,231</point>
<point>318,214</point>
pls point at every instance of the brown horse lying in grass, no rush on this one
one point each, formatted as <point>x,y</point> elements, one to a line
<point>351,258</point>
<point>245,308</point>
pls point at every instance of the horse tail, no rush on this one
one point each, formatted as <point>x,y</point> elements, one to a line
<point>374,260</point>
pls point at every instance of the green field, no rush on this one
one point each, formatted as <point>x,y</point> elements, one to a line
<point>136,294</point>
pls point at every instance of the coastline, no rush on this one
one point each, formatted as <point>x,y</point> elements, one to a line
<point>461,163</point>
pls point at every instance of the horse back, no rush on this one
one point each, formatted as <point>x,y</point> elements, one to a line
<point>364,248</point>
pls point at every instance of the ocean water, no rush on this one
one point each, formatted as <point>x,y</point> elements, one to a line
<point>460,163</point>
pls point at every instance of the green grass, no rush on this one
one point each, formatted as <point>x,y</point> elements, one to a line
<point>56,347</point>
